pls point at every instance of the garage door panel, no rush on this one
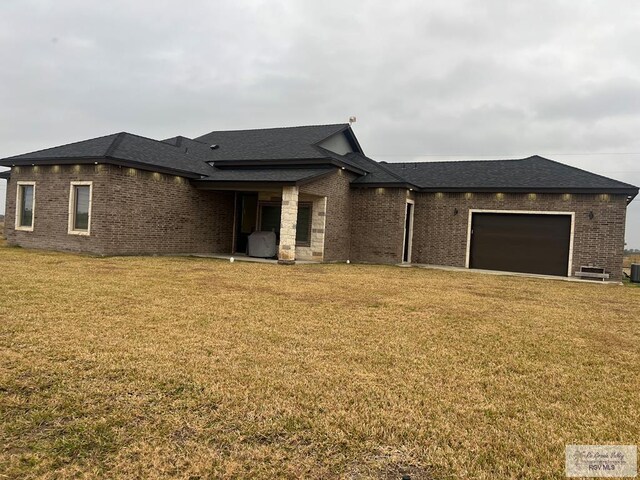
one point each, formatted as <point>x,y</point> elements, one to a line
<point>529,243</point>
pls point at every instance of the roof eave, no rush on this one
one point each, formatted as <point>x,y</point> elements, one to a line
<point>8,162</point>
<point>611,190</point>
<point>204,184</point>
<point>294,162</point>
<point>212,183</point>
<point>406,185</point>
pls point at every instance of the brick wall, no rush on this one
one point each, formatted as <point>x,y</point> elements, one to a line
<point>336,187</point>
<point>138,212</point>
<point>133,212</point>
<point>440,237</point>
<point>377,224</point>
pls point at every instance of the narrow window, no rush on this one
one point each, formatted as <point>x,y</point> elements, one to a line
<point>303,225</point>
<point>80,208</point>
<point>25,203</point>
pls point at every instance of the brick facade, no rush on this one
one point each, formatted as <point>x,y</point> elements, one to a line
<point>440,236</point>
<point>140,212</point>
<point>336,188</point>
<point>377,224</point>
<point>133,212</point>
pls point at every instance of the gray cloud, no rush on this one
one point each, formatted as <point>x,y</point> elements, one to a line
<point>426,79</point>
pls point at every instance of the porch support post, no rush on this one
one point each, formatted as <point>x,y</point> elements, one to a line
<point>288,220</point>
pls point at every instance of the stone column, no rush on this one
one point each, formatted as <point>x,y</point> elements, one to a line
<point>288,220</point>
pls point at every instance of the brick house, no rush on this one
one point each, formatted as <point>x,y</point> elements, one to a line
<point>325,200</point>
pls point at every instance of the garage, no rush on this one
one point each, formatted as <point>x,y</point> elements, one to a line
<point>520,242</point>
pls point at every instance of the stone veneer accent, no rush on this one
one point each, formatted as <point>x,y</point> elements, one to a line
<point>288,221</point>
<point>336,187</point>
<point>315,251</point>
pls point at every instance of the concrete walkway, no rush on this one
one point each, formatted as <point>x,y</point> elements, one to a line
<point>509,274</point>
<point>244,258</point>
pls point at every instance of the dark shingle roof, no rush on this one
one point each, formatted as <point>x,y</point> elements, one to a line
<point>92,148</point>
<point>181,154</point>
<point>532,173</point>
<point>378,173</point>
<point>270,143</point>
<point>292,154</point>
<point>128,148</point>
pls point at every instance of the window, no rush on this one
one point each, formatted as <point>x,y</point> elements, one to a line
<point>25,203</point>
<point>80,208</point>
<point>270,214</point>
<point>303,225</point>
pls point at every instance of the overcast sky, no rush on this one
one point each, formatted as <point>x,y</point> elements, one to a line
<point>427,80</point>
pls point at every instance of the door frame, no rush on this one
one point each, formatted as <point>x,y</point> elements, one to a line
<point>409,244</point>
<point>521,212</point>
<point>236,218</point>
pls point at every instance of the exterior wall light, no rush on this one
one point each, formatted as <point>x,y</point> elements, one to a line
<point>604,197</point>
<point>439,195</point>
<point>566,197</point>
<point>532,196</point>
<point>468,195</point>
<point>500,196</point>
<point>591,215</point>
<point>455,211</point>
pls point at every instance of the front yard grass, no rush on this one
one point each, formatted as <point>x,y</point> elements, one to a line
<point>194,368</point>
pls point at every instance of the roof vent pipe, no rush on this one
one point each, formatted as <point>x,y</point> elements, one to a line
<point>214,146</point>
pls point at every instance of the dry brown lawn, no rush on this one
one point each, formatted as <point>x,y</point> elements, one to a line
<point>629,259</point>
<point>196,368</point>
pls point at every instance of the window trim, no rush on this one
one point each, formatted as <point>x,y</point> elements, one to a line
<point>18,214</point>
<point>310,229</point>
<point>72,208</point>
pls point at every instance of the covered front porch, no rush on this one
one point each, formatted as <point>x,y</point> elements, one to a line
<point>297,220</point>
<point>286,206</point>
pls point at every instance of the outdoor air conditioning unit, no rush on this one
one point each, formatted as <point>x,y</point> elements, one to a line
<point>262,245</point>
